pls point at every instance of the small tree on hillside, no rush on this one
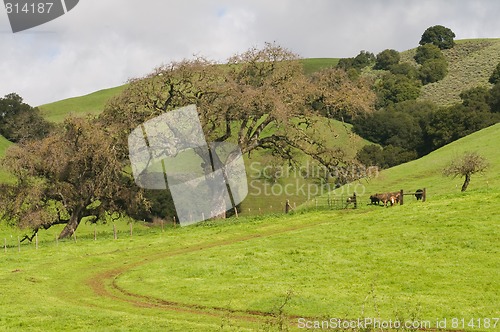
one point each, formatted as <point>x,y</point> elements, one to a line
<point>466,165</point>
<point>438,35</point>
<point>19,121</point>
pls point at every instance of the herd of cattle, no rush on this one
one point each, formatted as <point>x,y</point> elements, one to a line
<point>392,197</point>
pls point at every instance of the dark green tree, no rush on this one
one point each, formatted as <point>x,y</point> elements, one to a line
<point>362,60</point>
<point>19,121</point>
<point>494,99</point>
<point>395,89</point>
<point>476,99</point>
<point>345,63</point>
<point>495,76</point>
<point>449,124</point>
<point>428,52</point>
<point>374,155</point>
<point>433,70</point>
<point>387,58</point>
<point>438,35</point>
<point>388,127</point>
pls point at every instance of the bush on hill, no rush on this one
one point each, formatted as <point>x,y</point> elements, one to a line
<point>374,155</point>
<point>432,71</point>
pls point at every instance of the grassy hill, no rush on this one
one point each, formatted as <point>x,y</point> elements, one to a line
<point>427,171</point>
<point>420,262</point>
<point>470,64</point>
<point>89,104</point>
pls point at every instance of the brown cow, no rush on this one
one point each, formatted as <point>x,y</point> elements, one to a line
<point>392,198</point>
<point>395,197</point>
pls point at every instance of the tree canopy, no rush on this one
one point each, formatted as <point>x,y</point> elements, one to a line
<point>495,76</point>
<point>74,173</point>
<point>386,59</point>
<point>262,99</point>
<point>19,121</point>
<point>438,35</point>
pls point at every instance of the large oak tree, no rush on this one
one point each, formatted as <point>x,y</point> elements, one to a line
<point>260,99</point>
<point>75,172</point>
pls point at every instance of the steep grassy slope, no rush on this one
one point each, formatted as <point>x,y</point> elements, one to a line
<point>427,171</point>
<point>470,64</point>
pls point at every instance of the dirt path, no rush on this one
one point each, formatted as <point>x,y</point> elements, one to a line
<point>105,283</point>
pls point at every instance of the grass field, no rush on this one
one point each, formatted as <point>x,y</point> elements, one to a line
<point>438,259</point>
<point>415,262</point>
<point>312,65</point>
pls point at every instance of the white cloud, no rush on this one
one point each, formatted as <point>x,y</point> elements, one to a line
<point>101,44</point>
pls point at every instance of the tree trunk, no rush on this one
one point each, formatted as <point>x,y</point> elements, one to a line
<point>72,224</point>
<point>466,182</point>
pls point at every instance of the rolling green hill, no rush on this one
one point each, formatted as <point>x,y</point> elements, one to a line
<point>427,171</point>
<point>89,104</point>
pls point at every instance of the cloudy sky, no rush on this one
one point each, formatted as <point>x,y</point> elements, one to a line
<point>102,43</point>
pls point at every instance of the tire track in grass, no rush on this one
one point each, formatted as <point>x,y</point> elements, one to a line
<point>105,284</point>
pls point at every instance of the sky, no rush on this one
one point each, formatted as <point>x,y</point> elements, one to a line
<point>103,43</point>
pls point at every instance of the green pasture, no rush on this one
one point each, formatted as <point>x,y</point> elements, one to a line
<point>312,65</point>
<point>437,259</point>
